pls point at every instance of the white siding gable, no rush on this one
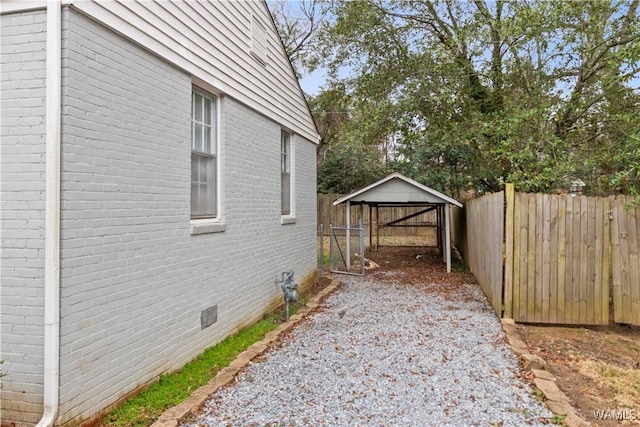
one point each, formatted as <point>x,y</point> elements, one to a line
<point>214,42</point>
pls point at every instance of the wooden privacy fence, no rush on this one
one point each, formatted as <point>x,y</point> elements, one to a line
<point>562,256</point>
<point>335,215</point>
<point>485,234</point>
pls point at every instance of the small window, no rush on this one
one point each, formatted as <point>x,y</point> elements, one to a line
<point>285,172</point>
<point>203,155</point>
<point>258,40</point>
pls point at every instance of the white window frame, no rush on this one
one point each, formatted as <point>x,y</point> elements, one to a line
<point>287,177</point>
<point>203,148</point>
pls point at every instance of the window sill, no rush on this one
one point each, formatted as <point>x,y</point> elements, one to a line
<point>207,226</point>
<point>287,219</point>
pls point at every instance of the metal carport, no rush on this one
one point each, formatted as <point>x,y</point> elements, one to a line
<point>397,190</point>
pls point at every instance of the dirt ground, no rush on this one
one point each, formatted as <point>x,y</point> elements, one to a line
<point>598,368</point>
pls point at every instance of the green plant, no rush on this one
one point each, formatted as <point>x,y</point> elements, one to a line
<point>459,266</point>
<point>558,420</point>
<point>538,394</point>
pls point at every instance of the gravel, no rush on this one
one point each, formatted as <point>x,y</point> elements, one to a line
<point>385,353</point>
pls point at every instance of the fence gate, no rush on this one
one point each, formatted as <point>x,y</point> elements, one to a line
<point>346,250</point>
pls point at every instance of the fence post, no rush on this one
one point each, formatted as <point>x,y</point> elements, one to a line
<point>321,272</point>
<point>508,258</point>
<point>330,248</point>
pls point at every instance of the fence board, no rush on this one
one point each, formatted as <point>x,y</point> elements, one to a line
<point>625,245</point>
<point>606,257</point>
<point>598,218</point>
<point>546,262</point>
<point>553,263</point>
<point>515,284</point>
<point>590,299</point>
<point>508,240</point>
<point>524,271</point>
<point>568,285</point>
<point>531,260</point>
<point>582,281</point>
<point>575,276</point>
<point>562,257</point>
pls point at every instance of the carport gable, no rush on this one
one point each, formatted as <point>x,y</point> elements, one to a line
<point>396,190</point>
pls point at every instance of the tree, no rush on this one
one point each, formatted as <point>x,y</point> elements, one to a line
<point>298,27</point>
<point>479,93</point>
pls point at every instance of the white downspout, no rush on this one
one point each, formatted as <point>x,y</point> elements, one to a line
<point>52,216</point>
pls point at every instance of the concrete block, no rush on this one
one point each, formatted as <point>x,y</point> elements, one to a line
<point>532,361</point>
<point>560,408</point>
<point>541,373</point>
<point>550,390</point>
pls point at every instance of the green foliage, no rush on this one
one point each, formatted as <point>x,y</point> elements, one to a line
<point>347,167</point>
<point>470,95</point>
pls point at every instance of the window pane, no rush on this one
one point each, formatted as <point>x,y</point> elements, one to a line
<point>207,140</point>
<point>197,137</point>
<point>193,135</point>
<point>202,176</point>
<point>197,107</point>
<point>194,168</point>
<point>207,111</point>
<point>211,186</point>
<point>285,195</point>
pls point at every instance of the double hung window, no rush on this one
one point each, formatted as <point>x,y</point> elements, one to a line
<point>203,155</point>
<point>285,173</point>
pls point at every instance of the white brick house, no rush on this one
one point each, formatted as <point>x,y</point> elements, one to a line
<point>157,160</point>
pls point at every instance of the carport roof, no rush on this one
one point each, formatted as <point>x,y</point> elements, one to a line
<point>397,189</point>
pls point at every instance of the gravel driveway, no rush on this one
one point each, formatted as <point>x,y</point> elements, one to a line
<point>384,353</point>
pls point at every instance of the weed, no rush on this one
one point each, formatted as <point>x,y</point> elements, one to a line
<point>558,420</point>
<point>459,266</point>
<point>539,395</point>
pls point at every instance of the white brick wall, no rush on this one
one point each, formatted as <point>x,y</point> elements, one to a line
<point>22,152</point>
<point>134,280</point>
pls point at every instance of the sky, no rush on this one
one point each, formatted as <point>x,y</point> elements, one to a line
<point>312,83</point>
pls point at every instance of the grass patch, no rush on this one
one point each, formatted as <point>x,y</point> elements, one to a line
<point>623,382</point>
<point>172,389</point>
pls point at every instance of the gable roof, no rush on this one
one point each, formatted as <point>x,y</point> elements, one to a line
<point>397,188</point>
<point>211,41</point>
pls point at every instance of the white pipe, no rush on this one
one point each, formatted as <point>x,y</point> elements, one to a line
<point>52,216</point>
